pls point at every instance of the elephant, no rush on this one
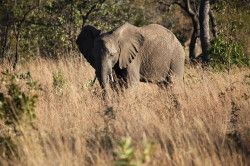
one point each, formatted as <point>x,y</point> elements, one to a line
<point>149,53</point>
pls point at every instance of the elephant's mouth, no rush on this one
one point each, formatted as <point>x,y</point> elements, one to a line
<point>105,79</point>
<point>110,77</point>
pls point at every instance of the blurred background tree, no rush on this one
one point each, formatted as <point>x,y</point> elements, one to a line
<point>48,28</point>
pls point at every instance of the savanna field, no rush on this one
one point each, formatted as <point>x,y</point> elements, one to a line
<point>205,122</point>
<point>53,113</point>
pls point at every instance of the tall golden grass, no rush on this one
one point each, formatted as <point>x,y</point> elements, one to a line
<point>207,122</point>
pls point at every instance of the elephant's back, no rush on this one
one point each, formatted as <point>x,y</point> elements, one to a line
<point>161,40</point>
<point>154,31</point>
<point>160,48</point>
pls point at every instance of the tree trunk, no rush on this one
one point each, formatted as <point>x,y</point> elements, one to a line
<point>186,6</point>
<point>204,29</point>
<point>4,34</point>
<point>4,42</point>
<point>213,23</point>
<point>16,60</point>
<point>195,35</point>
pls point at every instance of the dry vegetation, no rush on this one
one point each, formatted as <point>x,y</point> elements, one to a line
<point>205,123</point>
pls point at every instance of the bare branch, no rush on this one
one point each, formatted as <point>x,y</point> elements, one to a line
<point>188,8</point>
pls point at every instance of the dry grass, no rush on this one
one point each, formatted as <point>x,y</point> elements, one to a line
<point>205,123</point>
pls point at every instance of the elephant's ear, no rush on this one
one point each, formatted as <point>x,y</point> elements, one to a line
<point>130,42</point>
<point>85,42</point>
<point>91,30</point>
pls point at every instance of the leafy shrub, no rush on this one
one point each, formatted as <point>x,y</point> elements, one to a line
<point>126,153</point>
<point>227,53</point>
<point>17,101</point>
<point>18,97</point>
<point>88,84</point>
<point>233,18</point>
<point>7,146</point>
<point>59,81</point>
<point>247,79</point>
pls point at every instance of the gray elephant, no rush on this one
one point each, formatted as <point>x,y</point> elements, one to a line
<point>150,53</point>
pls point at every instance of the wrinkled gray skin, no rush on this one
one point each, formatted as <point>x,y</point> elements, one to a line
<point>150,53</point>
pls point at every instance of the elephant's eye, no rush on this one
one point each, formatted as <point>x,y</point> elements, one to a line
<point>111,49</point>
<point>111,54</point>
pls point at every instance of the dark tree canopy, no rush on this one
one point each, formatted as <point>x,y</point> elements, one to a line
<point>50,27</point>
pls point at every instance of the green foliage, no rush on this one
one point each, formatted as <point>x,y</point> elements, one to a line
<point>17,101</point>
<point>90,83</point>
<point>233,19</point>
<point>147,153</point>
<point>50,27</point>
<point>226,54</point>
<point>7,146</point>
<point>126,155</point>
<point>59,82</point>
<point>18,97</point>
<point>113,13</point>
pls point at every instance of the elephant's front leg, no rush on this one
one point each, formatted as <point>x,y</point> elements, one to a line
<point>133,73</point>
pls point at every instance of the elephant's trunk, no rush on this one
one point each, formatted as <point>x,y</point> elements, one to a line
<point>103,74</point>
<point>103,77</point>
<point>104,80</point>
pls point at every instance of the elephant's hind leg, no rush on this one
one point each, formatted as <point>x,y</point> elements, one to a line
<point>177,69</point>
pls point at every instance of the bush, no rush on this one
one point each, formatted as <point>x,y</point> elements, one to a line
<point>17,101</point>
<point>18,97</point>
<point>59,82</point>
<point>226,54</point>
<point>126,153</point>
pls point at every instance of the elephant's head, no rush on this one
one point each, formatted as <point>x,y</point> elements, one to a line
<point>118,47</point>
<point>85,42</point>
